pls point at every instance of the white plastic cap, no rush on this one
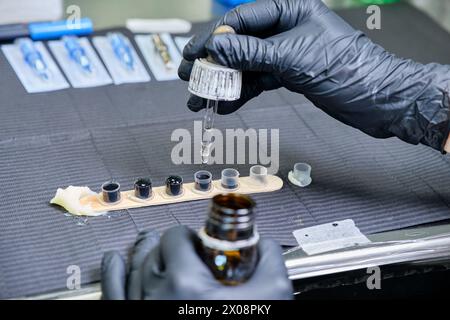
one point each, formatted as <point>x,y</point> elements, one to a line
<point>230,178</point>
<point>300,175</point>
<point>215,82</point>
<point>258,175</point>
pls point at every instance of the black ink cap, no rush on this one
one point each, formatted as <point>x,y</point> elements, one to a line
<point>143,188</point>
<point>174,185</point>
<point>111,192</point>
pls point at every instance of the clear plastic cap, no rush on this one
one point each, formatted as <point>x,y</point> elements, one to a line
<point>215,82</point>
<point>301,174</point>
<point>230,178</point>
<point>203,180</point>
<point>258,175</point>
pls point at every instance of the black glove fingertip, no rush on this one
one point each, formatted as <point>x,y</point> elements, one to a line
<point>196,46</point>
<point>227,107</point>
<point>146,241</point>
<point>148,235</point>
<point>113,273</point>
<point>218,46</point>
<point>196,103</point>
<point>184,70</point>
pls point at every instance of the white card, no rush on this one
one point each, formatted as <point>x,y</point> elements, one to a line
<point>329,237</point>
<point>119,72</point>
<point>30,80</point>
<point>73,71</point>
<point>153,59</point>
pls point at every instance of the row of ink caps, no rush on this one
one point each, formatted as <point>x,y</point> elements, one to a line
<point>174,184</point>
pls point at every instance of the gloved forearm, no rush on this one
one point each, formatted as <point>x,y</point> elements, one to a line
<point>383,95</point>
<point>306,48</point>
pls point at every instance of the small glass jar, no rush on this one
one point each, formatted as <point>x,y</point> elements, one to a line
<point>229,238</point>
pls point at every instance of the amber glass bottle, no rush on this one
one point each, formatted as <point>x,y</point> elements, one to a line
<point>229,239</point>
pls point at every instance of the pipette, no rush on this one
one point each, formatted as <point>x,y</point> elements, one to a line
<point>208,123</point>
<point>215,83</point>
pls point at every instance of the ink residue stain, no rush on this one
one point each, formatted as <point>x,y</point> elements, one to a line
<point>80,221</point>
<point>114,214</point>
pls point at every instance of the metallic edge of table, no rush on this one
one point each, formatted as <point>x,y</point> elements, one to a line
<point>406,245</point>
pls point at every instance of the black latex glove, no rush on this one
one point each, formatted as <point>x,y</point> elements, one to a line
<point>116,284</point>
<point>173,270</point>
<point>305,47</point>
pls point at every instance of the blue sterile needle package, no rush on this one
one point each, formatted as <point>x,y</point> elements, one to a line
<point>120,58</point>
<point>34,66</point>
<point>161,54</point>
<point>79,62</point>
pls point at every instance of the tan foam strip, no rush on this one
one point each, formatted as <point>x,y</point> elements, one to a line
<point>160,197</point>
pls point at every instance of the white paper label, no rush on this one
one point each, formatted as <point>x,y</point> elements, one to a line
<point>329,237</point>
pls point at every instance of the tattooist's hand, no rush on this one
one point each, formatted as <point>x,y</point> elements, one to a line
<point>115,283</point>
<point>173,270</point>
<point>305,47</point>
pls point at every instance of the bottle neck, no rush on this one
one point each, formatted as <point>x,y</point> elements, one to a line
<point>231,217</point>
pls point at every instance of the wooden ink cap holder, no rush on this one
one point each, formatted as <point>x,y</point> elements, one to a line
<point>159,196</point>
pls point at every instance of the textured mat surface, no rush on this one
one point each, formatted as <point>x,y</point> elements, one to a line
<point>87,136</point>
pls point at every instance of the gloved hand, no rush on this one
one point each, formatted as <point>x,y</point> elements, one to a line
<point>115,283</point>
<point>173,270</point>
<point>305,47</point>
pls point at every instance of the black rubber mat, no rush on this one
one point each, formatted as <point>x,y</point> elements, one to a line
<point>88,136</point>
